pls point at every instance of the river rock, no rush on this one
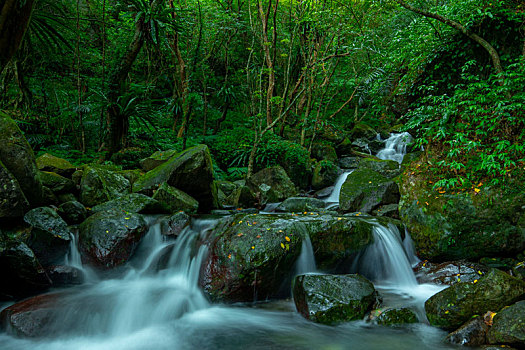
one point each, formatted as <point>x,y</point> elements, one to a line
<point>50,236</point>
<point>362,130</point>
<point>156,159</point>
<point>100,185</point>
<point>108,238</point>
<point>13,202</point>
<point>17,157</point>
<point>387,168</point>
<point>22,274</point>
<point>134,203</point>
<point>449,226</point>
<point>349,162</point>
<point>244,197</point>
<point>509,326</point>
<point>472,333</point>
<point>56,183</point>
<point>63,276</point>
<point>450,272</point>
<point>365,190</point>
<point>300,205</point>
<point>190,171</point>
<point>455,305</point>
<point>332,299</point>
<point>325,174</point>
<point>389,210</point>
<point>322,151</point>
<point>72,212</point>
<point>390,317</point>
<point>271,185</point>
<point>227,187</point>
<point>175,200</point>
<point>252,255</point>
<point>173,225</point>
<point>48,162</point>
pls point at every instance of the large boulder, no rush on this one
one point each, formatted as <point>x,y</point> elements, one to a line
<point>50,236</point>
<point>108,238</point>
<point>332,299</point>
<point>17,156</point>
<point>509,326</point>
<point>322,151</point>
<point>256,253</point>
<point>449,273</point>
<point>472,333</point>
<point>72,212</point>
<point>13,202</point>
<point>22,274</point>
<point>173,225</point>
<point>56,183</point>
<point>190,171</point>
<point>365,190</point>
<point>48,162</point>
<point>134,203</point>
<point>175,200</point>
<point>99,185</point>
<point>300,205</point>
<point>325,174</point>
<point>470,225</point>
<point>156,159</point>
<point>455,305</point>
<point>387,168</point>
<point>271,185</point>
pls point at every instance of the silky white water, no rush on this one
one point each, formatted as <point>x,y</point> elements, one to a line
<point>395,147</point>
<point>334,196</point>
<point>306,261</point>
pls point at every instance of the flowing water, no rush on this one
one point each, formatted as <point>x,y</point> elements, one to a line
<point>395,147</point>
<point>306,261</point>
<point>334,196</point>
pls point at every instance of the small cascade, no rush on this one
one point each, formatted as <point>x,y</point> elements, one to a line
<point>395,147</point>
<point>306,261</point>
<point>74,259</point>
<point>334,196</point>
<point>408,244</point>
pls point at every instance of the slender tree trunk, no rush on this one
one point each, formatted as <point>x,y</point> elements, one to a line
<point>14,20</point>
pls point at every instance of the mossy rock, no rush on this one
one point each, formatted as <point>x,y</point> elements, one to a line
<point>227,187</point>
<point>333,299</point>
<point>156,159</point>
<point>100,185</point>
<point>325,174</point>
<point>72,212</point>
<point>190,171</point>
<point>300,205</point>
<point>322,151</point>
<point>50,235</point>
<point>387,168</point>
<point>399,316</point>
<point>472,333</point>
<point>132,175</point>
<point>365,190</point>
<point>455,305</point>
<point>134,203</point>
<point>175,200</point>
<point>50,163</point>
<point>485,222</point>
<point>17,157</point>
<point>174,225</point>
<point>271,185</point>
<point>13,202</point>
<point>56,182</point>
<point>362,130</point>
<point>108,238</point>
<point>509,326</point>
<point>349,162</point>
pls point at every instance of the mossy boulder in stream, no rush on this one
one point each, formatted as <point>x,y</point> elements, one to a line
<point>50,236</point>
<point>17,156</point>
<point>332,299</point>
<point>325,174</point>
<point>391,317</point>
<point>365,190</point>
<point>509,326</point>
<point>455,305</point>
<point>156,159</point>
<point>175,200</point>
<point>387,168</point>
<point>108,238</point>
<point>271,185</point>
<point>13,202</point>
<point>99,185</point>
<point>322,151</point>
<point>134,203</point>
<point>481,222</point>
<point>300,205</point>
<point>190,171</point>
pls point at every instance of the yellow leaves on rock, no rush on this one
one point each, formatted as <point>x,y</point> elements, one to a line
<point>477,190</point>
<point>488,318</point>
<point>240,234</point>
<point>287,238</point>
<point>253,247</point>
<point>282,245</point>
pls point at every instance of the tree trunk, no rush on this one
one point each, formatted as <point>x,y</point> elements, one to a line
<point>14,20</point>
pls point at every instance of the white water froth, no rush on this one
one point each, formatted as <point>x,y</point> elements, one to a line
<point>395,147</point>
<point>334,196</point>
<point>306,261</point>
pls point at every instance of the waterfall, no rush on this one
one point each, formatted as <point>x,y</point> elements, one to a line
<point>74,260</point>
<point>395,147</point>
<point>306,261</point>
<point>334,196</point>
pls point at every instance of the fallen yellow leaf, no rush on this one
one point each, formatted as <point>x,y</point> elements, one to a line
<point>287,238</point>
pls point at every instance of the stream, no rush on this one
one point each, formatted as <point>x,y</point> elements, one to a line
<point>155,303</point>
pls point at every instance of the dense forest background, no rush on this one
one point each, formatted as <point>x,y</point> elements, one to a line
<point>269,82</point>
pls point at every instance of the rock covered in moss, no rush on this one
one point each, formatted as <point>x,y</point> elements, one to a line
<point>387,168</point>
<point>108,238</point>
<point>332,299</point>
<point>472,333</point>
<point>134,203</point>
<point>72,212</point>
<point>397,316</point>
<point>509,326</point>
<point>300,205</point>
<point>13,202</point>
<point>17,157</point>
<point>227,187</point>
<point>50,236</point>
<point>362,130</point>
<point>271,185</point>
<point>455,305</point>
<point>175,200</point>
<point>156,159</point>
<point>322,151</point>
<point>56,182</point>
<point>349,162</point>
<point>100,185</point>
<point>365,190</point>
<point>51,163</point>
<point>450,272</point>
<point>190,171</point>
<point>325,174</point>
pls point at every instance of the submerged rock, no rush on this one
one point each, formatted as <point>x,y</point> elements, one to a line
<point>100,185</point>
<point>455,305</point>
<point>509,326</point>
<point>332,299</point>
<point>50,236</point>
<point>399,316</point>
<point>108,238</point>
